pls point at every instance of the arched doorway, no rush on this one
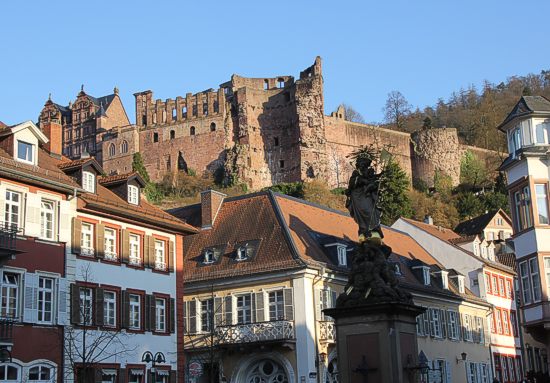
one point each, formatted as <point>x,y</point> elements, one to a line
<point>264,368</point>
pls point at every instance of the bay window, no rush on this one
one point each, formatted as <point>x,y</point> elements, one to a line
<point>522,208</point>
<point>530,281</point>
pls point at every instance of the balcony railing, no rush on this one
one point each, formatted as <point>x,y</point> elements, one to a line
<point>8,238</point>
<point>6,330</point>
<point>256,332</point>
<point>327,331</point>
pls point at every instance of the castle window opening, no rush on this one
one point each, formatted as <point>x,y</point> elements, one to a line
<point>124,147</point>
<point>154,118</point>
<point>216,107</point>
<point>205,109</point>
<point>276,141</point>
<point>192,131</point>
<point>266,84</point>
<point>195,110</point>
<point>112,150</point>
<point>144,120</point>
<point>168,163</point>
<point>163,116</point>
<point>174,114</point>
<point>184,112</point>
<point>213,127</point>
<point>155,137</point>
<point>225,90</point>
<point>282,164</point>
<point>172,134</point>
<point>280,83</point>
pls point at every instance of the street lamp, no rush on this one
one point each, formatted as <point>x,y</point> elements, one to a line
<point>156,359</point>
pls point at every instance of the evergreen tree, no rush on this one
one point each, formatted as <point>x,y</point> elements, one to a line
<point>394,197</point>
<point>139,166</point>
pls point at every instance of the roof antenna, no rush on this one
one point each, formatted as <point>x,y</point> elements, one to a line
<point>49,96</point>
<point>82,88</point>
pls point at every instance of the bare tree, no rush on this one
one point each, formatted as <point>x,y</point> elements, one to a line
<point>397,109</point>
<point>85,345</point>
<point>351,114</point>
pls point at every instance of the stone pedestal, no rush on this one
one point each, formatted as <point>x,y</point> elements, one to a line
<point>376,342</point>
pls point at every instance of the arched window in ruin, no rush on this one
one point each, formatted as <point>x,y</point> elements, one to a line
<point>172,134</point>
<point>174,114</point>
<point>266,84</point>
<point>124,147</point>
<point>112,150</point>
<point>280,83</point>
<point>182,165</point>
<point>192,131</point>
<point>213,127</point>
<point>205,109</point>
<point>155,137</point>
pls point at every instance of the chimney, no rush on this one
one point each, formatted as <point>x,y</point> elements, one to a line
<point>211,201</point>
<point>54,132</point>
<point>428,219</point>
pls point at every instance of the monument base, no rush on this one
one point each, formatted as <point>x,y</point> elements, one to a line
<point>376,342</point>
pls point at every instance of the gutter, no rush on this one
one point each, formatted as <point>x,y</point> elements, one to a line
<point>58,185</point>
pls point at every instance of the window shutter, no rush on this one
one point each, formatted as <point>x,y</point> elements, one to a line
<point>432,322</point>
<point>318,305</point>
<point>125,245</point>
<point>99,300</point>
<point>171,256</point>
<point>153,315</point>
<point>449,324</point>
<point>218,311</point>
<point>147,313</point>
<point>260,313</point>
<point>253,308</point>
<point>100,241</point>
<point>30,313</point>
<point>77,235</point>
<point>185,318</point>
<point>468,377</point>
<point>32,215</point>
<point>125,309</point>
<point>448,372</point>
<point>152,252</point>
<point>75,304</point>
<point>289,306</point>
<point>443,320</point>
<point>172,315</point>
<point>487,334</point>
<point>228,310</point>
<point>193,316</point>
<point>146,251</point>
<point>62,301</point>
<point>64,221</point>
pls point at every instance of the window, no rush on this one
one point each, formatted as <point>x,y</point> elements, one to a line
<point>124,147</point>
<point>280,83</point>
<point>497,316</point>
<point>205,109</point>
<point>207,307</point>
<point>499,222</point>
<point>423,323</point>
<point>112,150</point>
<point>476,249</point>
<point>542,203</point>
<point>509,290</point>
<point>9,373</point>
<point>136,376</point>
<point>494,284</point>
<point>426,275</point>
<point>87,239</point>
<point>342,256</point>
<point>276,141</point>
<point>505,322</point>
<point>266,84</point>
<point>41,374</point>
<point>212,127</point>
<point>525,284</point>
<point>135,251</point>
<point>192,131</point>
<point>472,373</point>
<point>501,287</point>
<point>86,307</point>
<point>110,244</point>
<point>440,367</point>
<point>10,295</point>
<point>488,283</point>
<point>514,323</point>
<point>45,300</point>
<point>541,131</point>
<point>172,134</point>
<point>47,220</point>
<point>483,373</point>
<point>484,251</point>
<point>522,209</point>
<point>88,181</point>
<point>133,194</point>
<point>135,312</point>
<point>174,114</point>
<point>276,305</point>
<point>160,257</point>
<point>109,308</point>
<point>435,323</point>
<point>282,164</point>
<point>453,325</point>
<point>241,254</point>
<point>160,314</point>
<point>467,327</point>
<point>480,331</point>
<point>535,280</point>
<point>155,137</point>
<point>25,152</point>
<point>184,112</point>
<point>12,209</point>
<point>244,309</point>
<point>208,256</point>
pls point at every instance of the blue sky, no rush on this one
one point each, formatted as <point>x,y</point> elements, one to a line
<point>425,49</point>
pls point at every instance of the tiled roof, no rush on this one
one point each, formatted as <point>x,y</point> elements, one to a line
<point>117,178</point>
<point>66,165</point>
<point>437,231</point>
<point>528,105</point>
<point>476,225</point>
<point>508,259</point>
<point>465,239</point>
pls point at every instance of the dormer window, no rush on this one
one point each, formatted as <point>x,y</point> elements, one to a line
<point>491,253</point>
<point>444,279</point>
<point>342,256</point>
<point>460,282</point>
<point>397,269</point>
<point>484,251</point>
<point>133,194</point>
<point>208,257</point>
<point>426,275</point>
<point>241,254</point>
<point>88,181</point>
<point>25,152</point>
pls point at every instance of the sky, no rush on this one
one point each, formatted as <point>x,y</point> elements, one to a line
<point>425,49</point>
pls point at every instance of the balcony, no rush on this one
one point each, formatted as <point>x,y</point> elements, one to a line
<point>327,332</point>
<point>275,331</point>
<point>6,330</point>
<point>8,240</point>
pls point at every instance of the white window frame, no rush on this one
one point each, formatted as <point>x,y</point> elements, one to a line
<point>134,257</point>
<point>160,254</point>
<point>88,181</point>
<point>42,301</point>
<point>243,309</point>
<point>435,323</point>
<point>205,315</point>
<point>241,254</point>
<point>480,329</point>
<point>10,292</point>
<point>9,207</point>
<point>134,315</point>
<point>426,275</point>
<point>87,239</point>
<point>133,194</point>
<point>342,256</point>
<point>4,379</point>
<point>461,284</point>
<point>542,204</point>
<point>86,314</point>
<point>160,314</point>
<point>109,308</point>
<point>453,324</point>
<point>110,237</point>
<point>208,257</point>
<point>27,153</point>
<point>277,306</point>
<point>546,261</point>
<point>47,215</point>
<point>40,367</point>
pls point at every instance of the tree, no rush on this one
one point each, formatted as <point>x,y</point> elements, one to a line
<point>84,346</point>
<point>351,114</point>
<point>473,173</point>
<point>152,191</point>
<point>469,206</point>
<point>394,197</point>
<point>397,109</point>
<point>139,166</point>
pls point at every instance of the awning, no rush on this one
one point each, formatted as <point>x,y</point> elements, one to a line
<point>109,371</point>
<point>163,373</point>
<point>135,371</point>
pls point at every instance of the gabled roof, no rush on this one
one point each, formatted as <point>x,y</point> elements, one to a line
<point>25,125</point>
<point>70,165</point>
<point>476,225</point>
<point>527,105</point>
<point>122,178</point>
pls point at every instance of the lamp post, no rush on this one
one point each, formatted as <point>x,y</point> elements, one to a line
<point>156,359</point>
